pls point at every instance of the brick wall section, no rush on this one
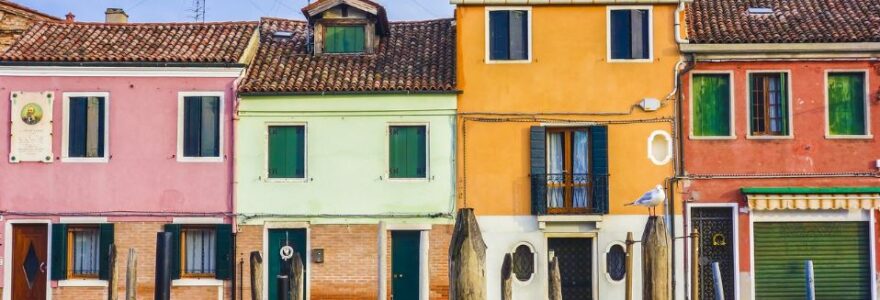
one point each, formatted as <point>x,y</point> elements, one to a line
<point>350,263</point>
<point>142,237</point>
<point>13,22</point>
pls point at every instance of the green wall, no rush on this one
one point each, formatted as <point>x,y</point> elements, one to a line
<point>346,178</point>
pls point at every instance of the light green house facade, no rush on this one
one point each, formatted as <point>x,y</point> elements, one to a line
<point>347,159</point>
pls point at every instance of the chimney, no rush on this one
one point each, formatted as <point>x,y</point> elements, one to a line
<point>69,17</point>
<point>115,15</point>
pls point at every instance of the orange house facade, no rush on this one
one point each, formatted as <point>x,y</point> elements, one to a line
<point>781,162</point>
<point>566,113</point>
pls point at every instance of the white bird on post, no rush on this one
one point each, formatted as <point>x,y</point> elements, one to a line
<point>651,199</point>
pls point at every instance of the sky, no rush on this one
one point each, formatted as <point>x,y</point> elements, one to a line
<point>222,10</point>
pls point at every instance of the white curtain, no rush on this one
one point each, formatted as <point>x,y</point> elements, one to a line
<point>555,167</point>
<point>580,161</point>
<point>199,251</point>
<point>85,252</point>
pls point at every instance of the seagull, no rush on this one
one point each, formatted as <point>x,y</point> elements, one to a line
<point>652,198</point>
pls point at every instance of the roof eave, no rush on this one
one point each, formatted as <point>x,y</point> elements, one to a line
<point>777,48</point>
<point>331,93</point>
<point>122,64</point>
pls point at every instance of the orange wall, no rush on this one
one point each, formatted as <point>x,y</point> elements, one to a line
<point>568,74</point>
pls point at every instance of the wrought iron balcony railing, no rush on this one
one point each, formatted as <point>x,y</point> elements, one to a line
<point>569,194</point>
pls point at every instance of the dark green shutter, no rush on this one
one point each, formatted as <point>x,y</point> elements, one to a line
<point>783,104</point>
<point>711,105</point>
<point>499,34</point>
<point>538,167</point>
<point>105,239</point>
<point>209,141</point>
<point>174,229</point>
<point>344,39</point>
<point>192,126</point>
<point>840,252</point>
<point>102,103</point>
<point>599,167</point>
<point>846,103</point>
<point>223,262</point>
<point>76,141</point>
<point>286,151</point>
<point>59,251</point>
<point>621,34</point>
<point>408,151</point>
<point>419,144</point>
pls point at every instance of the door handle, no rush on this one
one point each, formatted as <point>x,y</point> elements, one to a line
<point>43,267</point>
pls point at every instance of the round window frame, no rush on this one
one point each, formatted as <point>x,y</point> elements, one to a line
<point>605,264</point>
<point>669,148</point>
<point>534,263</point>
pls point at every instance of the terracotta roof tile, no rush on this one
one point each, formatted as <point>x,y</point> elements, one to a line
<point>136,42</point>
<point>791,21</point>
<point>418,56</point>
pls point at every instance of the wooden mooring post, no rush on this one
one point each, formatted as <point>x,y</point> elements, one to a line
<point>131,275</point>
<point>256,275</point>
<point>467,259</point>
<point>506,278</point>
<point>695,265</point>
<point>555,279</point>
<point>112,293</point>
<point>656,271</point>
<point>629,265</point>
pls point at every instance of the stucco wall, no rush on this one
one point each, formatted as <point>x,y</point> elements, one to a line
<point>346,158</point>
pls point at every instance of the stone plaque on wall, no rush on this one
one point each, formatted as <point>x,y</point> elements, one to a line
<point>30,138</point>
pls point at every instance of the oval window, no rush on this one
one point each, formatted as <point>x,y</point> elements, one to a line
<point>660,147</point>
<point>615,262</point>
<point>523,262</point>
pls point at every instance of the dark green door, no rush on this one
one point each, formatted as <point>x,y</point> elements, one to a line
<point>405,265</point>
<point>840,252</point>
<point>278,238</point>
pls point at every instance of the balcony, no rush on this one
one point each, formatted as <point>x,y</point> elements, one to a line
<point>569,194</point>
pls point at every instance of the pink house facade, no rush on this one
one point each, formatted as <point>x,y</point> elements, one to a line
<point>117,132</point>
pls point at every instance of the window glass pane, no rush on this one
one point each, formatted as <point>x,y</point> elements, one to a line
<point>344,39</point>
<point>499,34</point>
<point>846,103</point>
<point>86,127</point>
<point>580,161</point>
<point>408,152</point>
<point>555,167</point>
<point>201,126</point>
<point>199,251</point>
<point>711,105</point>
<point>769,104</point>
<point>286,151</point>
<point>615,262</point>
<point>523,263</point>
<point>84,251</point>
<point>630,37</point>
<point>519,39</point>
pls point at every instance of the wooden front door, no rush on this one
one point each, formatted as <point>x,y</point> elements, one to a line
<point>405,265</point>
<point>29,261</point>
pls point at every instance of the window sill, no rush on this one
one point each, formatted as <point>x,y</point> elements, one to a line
<point>200,159</point>
<point>711,138</point>
<point>769,137</point>
<point>197,282</point>
<point>82,283</point>
<point>285,180</point>
<point>85,160</point>
<point>409,179</point>
<point>849,137</point>
<point>630,61</point>
<point>501,62</point>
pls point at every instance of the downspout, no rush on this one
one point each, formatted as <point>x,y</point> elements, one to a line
<point>679,170</point>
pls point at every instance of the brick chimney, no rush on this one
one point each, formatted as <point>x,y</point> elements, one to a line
<point>115,15</point>
<point>69,18</point>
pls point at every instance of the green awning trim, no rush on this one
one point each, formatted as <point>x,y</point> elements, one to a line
<point>810,190</point>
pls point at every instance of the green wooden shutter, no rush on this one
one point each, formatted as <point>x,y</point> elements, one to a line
<point>711,105</point>
<point>101,125</point>
<point>106,238</point>
<point>538,168</point>
<point>407,151</point>
<point>344,39</point>
<point>420,142</point>
<point>499,35</point>
<point>846,103</point>
<point>174,229</point>
<point>59,252</point>
<point>77,132</point>
<point>783,104</point>
<point>223,261</point>
<point>286,151</point>
<point>839,250</point>
<point>192,126</point>
<point>599,167</point>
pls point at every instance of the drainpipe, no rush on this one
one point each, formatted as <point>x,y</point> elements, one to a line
<point>678,161</point>
<point>678,38</point>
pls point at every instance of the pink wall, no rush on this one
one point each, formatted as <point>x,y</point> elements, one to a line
<point>142,174</point>
<point>808,152</point>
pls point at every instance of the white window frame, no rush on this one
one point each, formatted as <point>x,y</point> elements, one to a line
<point>488,48</point>
<point>735,210</point>
<point>868,134</point>
<point>608,11</point>
<point>748,98</point>
<point>534,263</point>
<point>66,128</point>
<point>732,134</point>
<point>387,167</point>
<point>266,177</point>
<point>180,122</point>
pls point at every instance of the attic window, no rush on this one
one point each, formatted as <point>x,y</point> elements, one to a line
<point>344,39</point>
<point>760,10</point>
<point>282,34</point>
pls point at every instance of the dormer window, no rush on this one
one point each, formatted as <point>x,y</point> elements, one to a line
<point>346,26</point>
<point>344,39</point>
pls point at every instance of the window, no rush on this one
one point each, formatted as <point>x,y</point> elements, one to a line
<point>847,113</point>
<point>408,151</point>
<point>201,127</point>
<point>509,35</point>
<point>615,262</point>
<point>286,152</point>
<point>660,147</point>
<point>86,127</point>
<point>629,34</point>
<point>523,262</point>
<point>82,251</point>
<point>568,167</point>
<point>197,245</point>
<point>344,39</point>
<point>768,105</point>
<point>710,105</point>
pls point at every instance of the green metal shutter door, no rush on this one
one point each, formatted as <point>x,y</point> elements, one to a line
<point>840,252</point>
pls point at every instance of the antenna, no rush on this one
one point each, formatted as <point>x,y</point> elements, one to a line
<point>198,10</point>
